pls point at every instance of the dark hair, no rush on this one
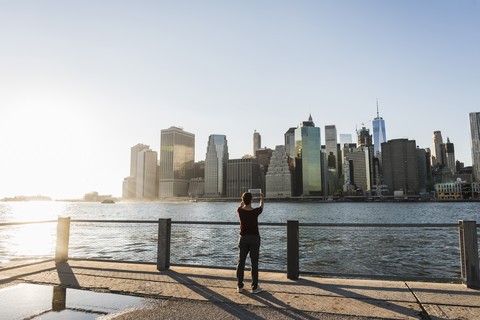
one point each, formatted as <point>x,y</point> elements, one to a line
<point>247,198</point>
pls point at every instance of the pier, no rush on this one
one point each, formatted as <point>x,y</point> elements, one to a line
<point>204,291</point>
<point>200,293</point>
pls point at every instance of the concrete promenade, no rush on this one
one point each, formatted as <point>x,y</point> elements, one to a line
<point>200,293</point>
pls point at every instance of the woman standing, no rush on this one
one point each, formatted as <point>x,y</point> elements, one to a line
<point>249,240</point>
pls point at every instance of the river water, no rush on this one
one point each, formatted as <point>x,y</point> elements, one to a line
<point>431,252</point>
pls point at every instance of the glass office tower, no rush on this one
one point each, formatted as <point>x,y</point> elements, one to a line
<point>379,135</point>
<point>307,150</point>
<point>216,166</point>
<point>177,156</point>
<point>331,146</point>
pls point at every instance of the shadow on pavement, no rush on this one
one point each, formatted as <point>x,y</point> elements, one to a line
<point>66,275</point>
<point>228,305</point>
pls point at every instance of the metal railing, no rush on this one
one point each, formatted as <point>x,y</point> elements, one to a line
<point>416,251</point>
<point>297,248</point>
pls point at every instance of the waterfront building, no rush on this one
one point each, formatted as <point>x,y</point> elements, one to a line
<point>307,153</point>
<point>331,146</point>
<point>459,189</point>
<point>357,163</point>
<point>437,149</point>
<point>379,135</point>
<point>400,166</point>
<point>257,142</point>
<point>279,176</point>
<point>199,169</point>
<point>134,151</point>
<point>130,183</point>
<point>345,138</point>
<point>216,166</point>
<point>196,187</point>
<point>129,188</point>
<point>422,164</point>
<point>364,137</point>
<point>348,183</point>
<point>177,157</point>
<point>242,174</point>
<point>331,157</point>
<point>451,190</point>
<point>146,175</point>
<point>474,118</point>
<point>450,156</point>
<point>290,142</point>
<point>263,156</point>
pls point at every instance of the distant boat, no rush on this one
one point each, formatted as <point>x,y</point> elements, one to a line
<point>108,201</point>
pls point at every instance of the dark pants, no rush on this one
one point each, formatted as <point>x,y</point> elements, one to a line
<point>248,243</point>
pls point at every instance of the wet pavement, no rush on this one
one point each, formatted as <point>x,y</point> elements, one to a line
<point>33,301</point>
<point>201,293</point>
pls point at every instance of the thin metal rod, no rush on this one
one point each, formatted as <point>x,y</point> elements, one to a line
<point>382,225</point>
<point>370,276</point>
<point>26,222</point>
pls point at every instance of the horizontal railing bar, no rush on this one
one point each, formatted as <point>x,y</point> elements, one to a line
<point>114,221</point>
<point>25,222</point>
<point>176,222</point>
<point>108,260</point>
<point>370,276</point>
<point>382,225</point>
<point>220,267</point>
<point>207,222</point>
<point>278,224</point>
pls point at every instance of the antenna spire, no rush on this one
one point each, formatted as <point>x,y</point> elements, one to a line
<point>378,116</point>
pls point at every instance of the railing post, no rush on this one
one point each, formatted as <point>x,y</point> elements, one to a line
<point>63,237</point>
<point>292,250</point>
<point>469,253</point>
<point>163,247</point>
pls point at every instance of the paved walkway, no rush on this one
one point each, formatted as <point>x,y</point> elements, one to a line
<point>200,293</point>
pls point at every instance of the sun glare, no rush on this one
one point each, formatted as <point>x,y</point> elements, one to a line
<point>28,242</point>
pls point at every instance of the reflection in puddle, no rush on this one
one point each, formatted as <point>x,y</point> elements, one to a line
<point>31,301</point>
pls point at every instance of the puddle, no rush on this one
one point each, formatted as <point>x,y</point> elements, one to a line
<point>32,301</point>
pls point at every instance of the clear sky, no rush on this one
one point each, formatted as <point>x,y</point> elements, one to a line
<point>83,81</point>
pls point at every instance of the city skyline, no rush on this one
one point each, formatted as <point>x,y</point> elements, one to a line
<point>82,86</point>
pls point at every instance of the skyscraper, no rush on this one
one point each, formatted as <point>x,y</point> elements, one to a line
<point>437,149</point>
<point>257,142</point>
<point>146,175</point>
<point>475,143</point>
<point>290,142</point>
<point>331,146</point>
<point>331,159</point>
<point>450,156</point>
<point>400,165</point>
<point>279,176</point>
<point>130,183</point>
<point>177,157</point>
<point>345,138</point>
<point>242,174</point>
<point>134,151</point>
<point>364,137</point>
<point>358,168</point>
<point>379,135</point>
<point>216,166</point>
<point>422,169</point>
<point>307,151</point>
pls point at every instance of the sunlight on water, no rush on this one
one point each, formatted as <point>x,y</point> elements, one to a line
<point>29,241</point>
<point>405,251</point>
<point>31,210</point>
<point>32,241</point>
